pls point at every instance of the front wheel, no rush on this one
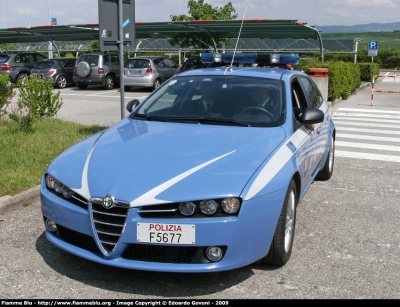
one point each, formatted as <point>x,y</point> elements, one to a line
<point>282,242</point>
<point>326,172</point>
<point>109,84</point>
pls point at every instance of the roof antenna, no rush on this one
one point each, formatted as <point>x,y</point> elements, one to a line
<point>234,52</point>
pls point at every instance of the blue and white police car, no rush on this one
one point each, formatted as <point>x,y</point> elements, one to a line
<point>204,175</point>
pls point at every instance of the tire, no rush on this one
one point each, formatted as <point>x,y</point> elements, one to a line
<point>156,84</point>
<point>61,82</point>
<point>281,246</point>
<point>127,88</point>
<point>326,172</point>
<point>109,83</point>
<point>82,86</point>
<point>83,69</point>
<point>21,76</point>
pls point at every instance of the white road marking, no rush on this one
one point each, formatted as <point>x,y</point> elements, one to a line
<point>368,130</point>
<point>350,123</point>
<point>385,122</point>
<point>366,156</point>
<point>367,137</point>
<point>368,111</point>
<point>367,146</point>
<point>362,115</point>
<point>381,119</point>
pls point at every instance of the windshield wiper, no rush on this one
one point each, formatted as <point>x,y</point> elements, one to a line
<point>150,117</point>
<point>208,120</point>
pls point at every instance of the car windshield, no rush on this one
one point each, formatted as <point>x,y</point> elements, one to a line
<point>44,65</point>
<point>137,63</point>
<point>224,100</point>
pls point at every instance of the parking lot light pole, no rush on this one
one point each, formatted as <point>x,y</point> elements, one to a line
<point>356,40</point>
<point>121,57</point>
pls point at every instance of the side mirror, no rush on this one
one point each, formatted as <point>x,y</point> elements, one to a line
<point>312,116</point>
<point>132,104</point>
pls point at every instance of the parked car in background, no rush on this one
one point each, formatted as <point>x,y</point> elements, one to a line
<point>59,69</point>
<point>194,62</point>
<point>97,68</point>
<point>18,64</point>
<point>148,71</point>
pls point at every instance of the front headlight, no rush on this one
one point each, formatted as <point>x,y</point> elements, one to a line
<point>187,208</point>
<point>57,186</point>
<point>208,207</point>
<point>50,181</point>
<point>230,205</point>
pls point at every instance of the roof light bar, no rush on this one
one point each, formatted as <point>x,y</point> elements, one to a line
<point>250,58</point>
<point>278,58</point>
<point>244,58</point>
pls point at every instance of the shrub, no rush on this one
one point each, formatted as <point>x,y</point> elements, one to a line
<point>6,93</point>
<point>36,100</point>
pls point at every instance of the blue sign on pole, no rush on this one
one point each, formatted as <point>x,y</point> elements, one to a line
<point>373,45</point>
<point>372,48</point>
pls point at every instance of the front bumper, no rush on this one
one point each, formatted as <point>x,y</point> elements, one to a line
<point>244,238</point>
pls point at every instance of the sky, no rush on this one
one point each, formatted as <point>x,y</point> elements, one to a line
<point>22,13</point>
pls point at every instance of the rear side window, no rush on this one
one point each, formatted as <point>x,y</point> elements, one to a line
<point>4,58</point>
<point>44,65</point>
<point>169,63</point>
<point>39,57</point>
<point>137,63</point>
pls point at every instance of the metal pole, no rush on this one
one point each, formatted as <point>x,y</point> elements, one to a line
<point>355,52</point>
<point>50,44</point>
<point>121,58</point>
<point>4,17</point>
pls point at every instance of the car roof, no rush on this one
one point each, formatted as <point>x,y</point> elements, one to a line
<point>263,72</point>
<point>150,57</point>
<point>58,59</point>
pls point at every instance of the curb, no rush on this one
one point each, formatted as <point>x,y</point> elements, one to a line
<point>9,203</point>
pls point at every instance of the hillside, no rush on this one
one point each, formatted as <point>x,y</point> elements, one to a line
<point>371,27</point>
<point>386,40</point>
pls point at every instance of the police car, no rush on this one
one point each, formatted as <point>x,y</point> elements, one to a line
<point>204,175</point>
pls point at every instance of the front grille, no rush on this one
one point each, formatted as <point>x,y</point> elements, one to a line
<point>108,224</point>
<point>165,254</point>
<point>78,239</point>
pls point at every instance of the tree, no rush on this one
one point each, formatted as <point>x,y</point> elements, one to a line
<point>199,10</point>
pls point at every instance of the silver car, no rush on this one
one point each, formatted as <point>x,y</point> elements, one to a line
<point>97,68</point>
<point>148,71</point>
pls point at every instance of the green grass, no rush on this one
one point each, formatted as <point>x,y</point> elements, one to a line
<point>25,156</point>
<point>386,40</point>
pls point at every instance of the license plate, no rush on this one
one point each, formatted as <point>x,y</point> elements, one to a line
<point>135,72</point>
<point>166,233</point>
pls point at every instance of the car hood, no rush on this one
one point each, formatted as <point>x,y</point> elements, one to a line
<point>147,162</point>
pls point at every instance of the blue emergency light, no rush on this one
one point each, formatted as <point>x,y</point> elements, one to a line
<point>250,58</point>
<point>278,58</point>
<point>226,58</point>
